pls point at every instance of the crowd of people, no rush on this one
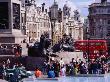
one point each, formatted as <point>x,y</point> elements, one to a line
<point>54,68</point>
<point>10,49</point>
<point>12,72</point>
<point>76,66</point>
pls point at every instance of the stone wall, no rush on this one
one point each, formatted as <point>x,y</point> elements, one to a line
<point>7,39</point>
<point>67,56</point>
<point>32,62</point>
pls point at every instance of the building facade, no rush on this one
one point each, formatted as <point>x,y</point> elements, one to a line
<point>72,25</point>
<point>55,14</point>
<point>75,29</point>
<point>37,22</point>
<point>64,23</point>
<point>99,20</point>
<point>85,28</point>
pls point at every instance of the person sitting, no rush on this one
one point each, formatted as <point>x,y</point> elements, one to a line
<point>38,73</point>
<point>51,73</point>
<point>63,71</point>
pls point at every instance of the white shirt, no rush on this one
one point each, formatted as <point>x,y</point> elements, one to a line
<point>61,63</point>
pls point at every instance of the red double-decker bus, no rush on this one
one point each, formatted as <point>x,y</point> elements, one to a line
<point>92,48</point>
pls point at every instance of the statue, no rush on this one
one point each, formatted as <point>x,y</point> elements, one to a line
<point>77,15</point>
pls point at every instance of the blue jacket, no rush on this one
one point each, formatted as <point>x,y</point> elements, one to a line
<point>51,74</point>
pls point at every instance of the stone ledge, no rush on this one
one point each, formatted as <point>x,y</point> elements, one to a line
<point>47,78</point>
<point>91,75</point>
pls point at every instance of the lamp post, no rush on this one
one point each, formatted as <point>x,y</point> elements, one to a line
<point>108,42</point>
<point>88,52</point>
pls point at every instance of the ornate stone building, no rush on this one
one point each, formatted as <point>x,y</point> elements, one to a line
<point>72,24</point>
<point>37,22</point>
<point>63,22</point>
<point>85,28</point>
<point>55,14</point>
<point>75,29</point>
<point>99,20</point>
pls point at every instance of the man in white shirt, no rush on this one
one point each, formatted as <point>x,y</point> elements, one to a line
<point>61,62</point>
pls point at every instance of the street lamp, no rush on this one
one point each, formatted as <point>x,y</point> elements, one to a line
<point>88,38</point>
<point>108,44</point>
<point>88,52</point>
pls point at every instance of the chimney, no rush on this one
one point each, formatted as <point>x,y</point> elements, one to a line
<point>43,7</point>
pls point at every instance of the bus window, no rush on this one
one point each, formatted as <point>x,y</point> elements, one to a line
<point>98,44</point>
<point>92,46</point>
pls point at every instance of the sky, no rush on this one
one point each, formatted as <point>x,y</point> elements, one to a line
<point>81,5</point>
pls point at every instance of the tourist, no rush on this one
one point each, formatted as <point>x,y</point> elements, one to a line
<point>76,68</point>
<point>56,66</point>
<point>82,67</point>
<point>99,67</point>
<point>71,69</point>
<point>44,67</point>
<point>63,71</point>
<point>94,67</point>
<point>12,78</point>
<point>67,69</point>
<point>73,60</point>
<point>16,73</point>
<point>8,63</point>
<point>38,73</point>
<point>1,71</point>
<point>61,62</point>
<point>103,67</point>
<point>89,68</point>
<point>51,73</point>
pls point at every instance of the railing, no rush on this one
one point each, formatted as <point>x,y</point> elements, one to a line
<point>8,49</point>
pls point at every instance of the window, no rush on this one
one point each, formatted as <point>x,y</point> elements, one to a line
<point>97,44</point>
<point>108,21</point>
<point>38,34</point>
<point>108,10</point>
<point>22,19</point>
<point>108,29</point>
<point>92,44</point>
<point>94,11</point>
<point>27,34</point>
<point>4,15</point>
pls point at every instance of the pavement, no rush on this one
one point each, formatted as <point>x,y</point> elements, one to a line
<point>3,80</point>
<point>44,77</point>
